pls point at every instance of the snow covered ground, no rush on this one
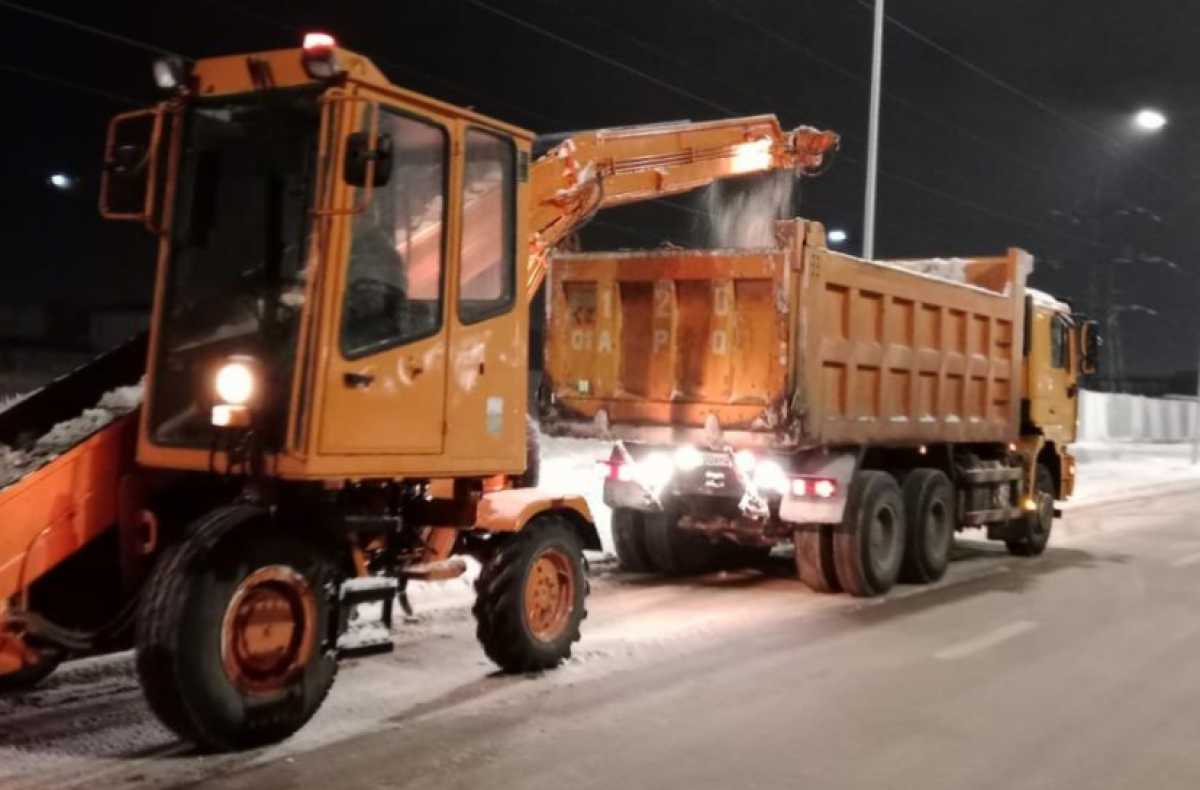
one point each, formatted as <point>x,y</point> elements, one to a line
<point>1117,470</point>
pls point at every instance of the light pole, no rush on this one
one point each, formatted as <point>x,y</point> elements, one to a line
<point>873,133</point>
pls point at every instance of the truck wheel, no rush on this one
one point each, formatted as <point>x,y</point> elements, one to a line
<point>814,558</point>
<point>676,552</point>
<point>28,677</point>
<point>929,514</point>
<point>629,539</point>
<point>1038,522</point>
<point>530,597</point>
<point>231,633</point>
<point>868,546</point>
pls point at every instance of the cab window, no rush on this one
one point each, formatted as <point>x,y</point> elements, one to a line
<point>394,281</point>
<point>487,277</point>
<point>1060,344</point>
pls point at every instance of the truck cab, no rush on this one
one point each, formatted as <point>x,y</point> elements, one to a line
<point>1060,349</point>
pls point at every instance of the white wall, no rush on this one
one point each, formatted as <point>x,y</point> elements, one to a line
<point>1106,416</point>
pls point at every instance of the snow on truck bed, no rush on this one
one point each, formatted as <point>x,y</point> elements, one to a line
<point>15,463</point>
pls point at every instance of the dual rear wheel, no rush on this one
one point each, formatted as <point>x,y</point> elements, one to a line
<point>889,532</point>
<point>654,543</point>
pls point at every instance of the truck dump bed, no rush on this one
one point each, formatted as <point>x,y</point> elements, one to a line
<point>790,346</point>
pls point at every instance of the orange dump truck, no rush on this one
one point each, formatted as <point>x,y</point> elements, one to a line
<point>864,410</point>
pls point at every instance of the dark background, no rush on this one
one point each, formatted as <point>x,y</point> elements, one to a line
<point>1004,124</point>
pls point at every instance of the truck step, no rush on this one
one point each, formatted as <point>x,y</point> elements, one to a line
<point>366,638</point>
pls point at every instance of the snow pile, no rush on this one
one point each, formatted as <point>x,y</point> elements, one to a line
<point>952,269</point>
<point>15,463</point>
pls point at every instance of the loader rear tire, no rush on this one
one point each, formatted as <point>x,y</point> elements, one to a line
<point>677,552</point>
<point>232,632</point>
<point>1037,523</point>
<point>814,558</point>
<point>530,597</point>
<point>929,513</point>
<point>629,539</point>
<point>868,546</point>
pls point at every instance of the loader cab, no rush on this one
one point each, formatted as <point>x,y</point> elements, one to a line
<point>341,275</point>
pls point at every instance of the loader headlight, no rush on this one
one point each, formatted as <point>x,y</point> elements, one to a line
<point>236,381</point>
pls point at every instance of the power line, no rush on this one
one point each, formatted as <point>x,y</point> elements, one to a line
<point>96,31</point>
<point>905,103</point>
<point>1034,101</point>
<point>974,205</point>
<point>965,202</point>
<point>37,75</point>
<point>601,57</point>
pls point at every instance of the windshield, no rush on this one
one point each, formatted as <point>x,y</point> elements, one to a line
<point>235,278</point>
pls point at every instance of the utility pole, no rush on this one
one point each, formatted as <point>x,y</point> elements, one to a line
<point>873,133</point>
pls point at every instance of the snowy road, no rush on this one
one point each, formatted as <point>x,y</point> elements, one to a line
<point>1075,669</point>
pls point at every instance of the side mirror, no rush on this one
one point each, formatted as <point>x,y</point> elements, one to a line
<point>129,182</point>
<point>361,159</point>
<point>1089,344</point>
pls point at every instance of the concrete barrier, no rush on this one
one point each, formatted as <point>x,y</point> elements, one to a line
<point>1111,416</point>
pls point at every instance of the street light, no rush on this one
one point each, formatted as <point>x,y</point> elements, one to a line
<point>1149,120</point>
<point>61,181</point>
<point>836,236</point>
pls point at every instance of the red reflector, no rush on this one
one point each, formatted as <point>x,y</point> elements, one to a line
<point>317,41</point>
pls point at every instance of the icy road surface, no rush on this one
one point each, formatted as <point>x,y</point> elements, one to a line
<point>1074,669</point>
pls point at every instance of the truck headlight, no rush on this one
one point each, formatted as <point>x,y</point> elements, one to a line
<point>688,458</point>
<point>235,381</point>
<point>655,471</point>
<point>769,476</point>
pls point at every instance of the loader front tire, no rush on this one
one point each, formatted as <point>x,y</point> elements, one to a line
<point>530,596</point>
<point>232,632</point>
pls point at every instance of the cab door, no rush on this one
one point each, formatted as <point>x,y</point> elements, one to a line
<point>385,387</point>
<point>488,346</point>
<point>1053,406</point>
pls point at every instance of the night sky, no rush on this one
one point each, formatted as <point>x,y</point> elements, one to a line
<point>1004,124</point>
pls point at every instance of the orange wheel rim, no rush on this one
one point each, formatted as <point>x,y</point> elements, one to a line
<point>269,630</point>
<point>549,594</point>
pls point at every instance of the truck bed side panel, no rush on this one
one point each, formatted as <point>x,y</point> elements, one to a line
<point>896,356</point>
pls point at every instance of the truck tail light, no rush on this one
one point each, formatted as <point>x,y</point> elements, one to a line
<point>320,56</point>
<point>817,487</point>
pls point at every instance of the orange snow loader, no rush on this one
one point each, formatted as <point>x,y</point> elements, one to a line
<point>861,410</point>
<point>334,386</point>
